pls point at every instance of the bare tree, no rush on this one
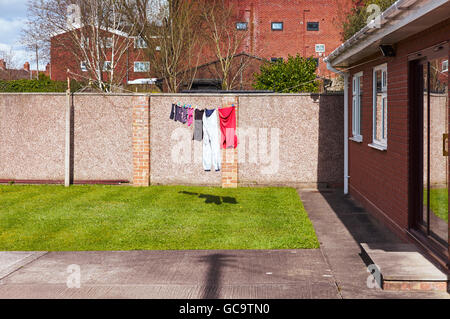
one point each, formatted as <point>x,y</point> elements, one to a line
<point>94,31</point>
<point>9,57</point>
<point>225,40</point>
<point>171,31</point>
<point>35,40</point>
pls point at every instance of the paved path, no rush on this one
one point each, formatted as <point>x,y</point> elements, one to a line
<point>341,225</point>
<point>176,274</point>
<point>334,271</point>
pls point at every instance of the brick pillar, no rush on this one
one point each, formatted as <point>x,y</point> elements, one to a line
<point>230,155</point>
<point>141,141</point>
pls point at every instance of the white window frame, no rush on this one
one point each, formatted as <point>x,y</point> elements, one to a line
<point>84,42</point>
<point>356,107</point>
<point>139,43</point>
<point>107,68</point>
<point>106,42</point>
<point>139,71</point>
<point>83,66</point>
<point>445,66</point>
<point>242,26</point>
<point>382,143</point>
<point>280,23</point>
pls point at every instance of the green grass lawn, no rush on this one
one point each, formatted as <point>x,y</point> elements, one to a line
<point>50,217</point>
<point>438,202</point>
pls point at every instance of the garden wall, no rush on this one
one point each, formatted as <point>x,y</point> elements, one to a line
<point>285,139</point>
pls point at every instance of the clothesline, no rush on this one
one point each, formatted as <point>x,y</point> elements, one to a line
<point>206,129</point>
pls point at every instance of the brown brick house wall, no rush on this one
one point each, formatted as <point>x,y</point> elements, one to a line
<point>64,55</point>
<point>261,41</point>
<point>380,179</point>
<point>294,38</point>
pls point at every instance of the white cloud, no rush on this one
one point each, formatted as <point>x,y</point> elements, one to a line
<point>12,19</point>
<point>10,30</point>
<point>20,56</point>
<point>10,9</point>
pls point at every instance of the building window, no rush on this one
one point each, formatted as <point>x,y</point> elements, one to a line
<point>107,66</point>
<point>380,107</point>
<point>276,60</point>
<point>356,106</point>
<point>312,26</point>
<point>84,42</point>
<point>106,43</point>
<point>139,43</point>
<point>141,66</point>
<point>445,66</point>
<point>241,26</point>
<point>83,66</point>
<point>277,26</point>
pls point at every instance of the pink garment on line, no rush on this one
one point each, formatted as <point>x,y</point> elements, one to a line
<point>190,118</point>
<point>228,127</point>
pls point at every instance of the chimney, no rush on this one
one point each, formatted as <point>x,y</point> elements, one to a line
<point>2,64</point>
<point>26,66</point>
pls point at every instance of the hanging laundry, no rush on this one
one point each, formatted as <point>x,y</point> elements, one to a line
<point>228,127</point>
<point>198,125</point>
<point>184,115</point>
<point>172,112</point>
<point>190,117</point>
<point>211,147</point>
<point>179,114</point>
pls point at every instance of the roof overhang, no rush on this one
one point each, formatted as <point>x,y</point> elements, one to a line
<point>400,21</point>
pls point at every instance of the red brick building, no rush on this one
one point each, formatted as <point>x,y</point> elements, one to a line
<point>397,121</point>
<point>25,73</point>
<point>131,65</point>
<point>289,27</point>
<point>275,29</point>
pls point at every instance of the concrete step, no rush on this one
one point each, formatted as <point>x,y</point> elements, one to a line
<point>403,267</point>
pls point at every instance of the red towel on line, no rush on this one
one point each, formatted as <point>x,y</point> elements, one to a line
<point>228,127</point>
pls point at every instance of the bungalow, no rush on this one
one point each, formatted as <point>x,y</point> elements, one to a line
<point>396,128</point>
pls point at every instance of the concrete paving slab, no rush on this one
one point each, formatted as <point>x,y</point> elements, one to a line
<point>402,262</point>
<point>176,274</point>
<point>10,261</point>
<point>341,225</point>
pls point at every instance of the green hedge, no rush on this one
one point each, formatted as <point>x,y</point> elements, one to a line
<point>44,84</point>
<point>295,75</point>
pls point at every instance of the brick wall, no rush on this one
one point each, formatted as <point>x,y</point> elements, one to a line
<point>230,155</point>
<point>294,38</point>
<point>65,55</point>
<point>380,179</point>
<point>141,141</point>
<point>262,41</point>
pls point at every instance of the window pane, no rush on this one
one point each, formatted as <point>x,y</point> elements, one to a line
<point>140,43</point>
<point>241,25</point>
<point>277,25</point>
<point>383,124</point>
<point>378,81</point>
<point>141,66</point>
<point>312,26</point>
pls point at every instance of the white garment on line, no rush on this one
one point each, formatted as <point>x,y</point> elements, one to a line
<point>211,144</point>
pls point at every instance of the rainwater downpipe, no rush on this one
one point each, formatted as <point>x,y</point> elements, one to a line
<point>346,78</point>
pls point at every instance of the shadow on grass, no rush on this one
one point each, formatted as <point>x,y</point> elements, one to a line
<point>212,199</point>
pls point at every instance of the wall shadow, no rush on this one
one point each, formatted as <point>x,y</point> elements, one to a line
<point>212,199</point>
<point>72,140</point>
<point>330,161</point>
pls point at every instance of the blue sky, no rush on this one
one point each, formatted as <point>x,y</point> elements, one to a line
<point>13,14</point>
